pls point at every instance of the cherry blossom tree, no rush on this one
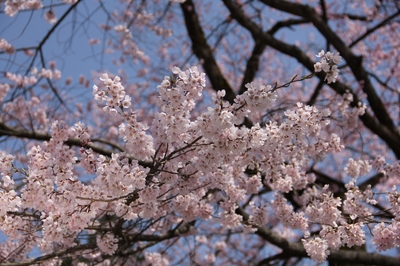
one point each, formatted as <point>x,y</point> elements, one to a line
<point>209,132</point>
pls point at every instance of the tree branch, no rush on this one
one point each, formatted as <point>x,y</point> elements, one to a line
<point>204,52</point>
<point>252,65</point>
<point>382,129</point>
<point>373,29</point>
<point>8,131</point>
<point>353,61</point>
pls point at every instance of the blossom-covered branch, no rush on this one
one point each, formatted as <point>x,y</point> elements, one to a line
<point>212,133</point>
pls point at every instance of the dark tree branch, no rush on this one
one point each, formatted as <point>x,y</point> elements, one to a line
<point>351,16</point>
<point>316,92</point>
<point>258,49</point>
<point>23,134</point>
<point>325,179</point>
<point>286,24</point>
<point>176,232</point>
<point>373,180</point>
<point>204,52</point>
<point>252,65</point>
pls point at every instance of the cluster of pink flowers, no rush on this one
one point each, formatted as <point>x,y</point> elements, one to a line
<point>328,64</point>
<point>168,168</point>
<point>256,99</point>
<point>4,88</point>
<point>25,80</point>
<point>287,215</point>
<point>12,7</point>
<point>317,249</point>
<point>107,243</point>
<point>6,47</point>
<point>386,236</point>
<point>153,258</point>
<point>20,80</point>
<point>127,44</point>
<point>356,168</point>
<point>50,16</point>
<point>138,142</point>
<point>321,201</point>
<point>47,73</point>
<point>350,114</point>
<point>24,111</point>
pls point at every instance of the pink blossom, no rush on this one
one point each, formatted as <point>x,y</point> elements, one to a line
<point>6,47</point>
<point>107,243</point>
<point>328,64</point>
<point>94,41</point>
<point>316,248</point>
<point>386,236</point>
<point>357,168</point>
<point>50,16</point>
<point>156,259</point>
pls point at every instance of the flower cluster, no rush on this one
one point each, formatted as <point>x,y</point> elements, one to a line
<point>21,81</point>
<point>350,114</point>
<point>50,16</point>
<point>107,243</point>
<point>254,101</point>
<point>356,168</point>
<point>47,73</point>
<point>259,216</point>
<point>153,258</point>
<point>133,132</point>
<point>354,204</point>
<point>6,161</point>
<point>328,64</point>
<point>187,166</point>
<point>24,111</point>
<point>323,203</point>
<point>286,214</point>
<point>176,101</point>
<point>316,248</point>
<point>6,47</point>
<point>35,74</point>
<point>114,95</point>
<point>127,45</point>
<point>13,6</point>
<point>4,88</point>
<point>386,236</point>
